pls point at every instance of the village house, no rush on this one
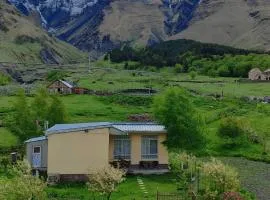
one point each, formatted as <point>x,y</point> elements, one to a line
<point>68,151</point>
<point>61,87</point>
<point>256,74</point>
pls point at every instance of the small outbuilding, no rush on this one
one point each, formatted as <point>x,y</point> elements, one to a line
<point>61,87</point>
<point>37,153</point>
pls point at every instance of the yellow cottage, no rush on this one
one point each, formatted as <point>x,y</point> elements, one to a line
<point>71,150</point>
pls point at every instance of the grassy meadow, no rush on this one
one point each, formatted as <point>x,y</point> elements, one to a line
<point>129,189</point>
<point>86,108</point>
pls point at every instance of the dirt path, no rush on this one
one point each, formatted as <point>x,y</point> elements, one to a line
<point>254,176</point>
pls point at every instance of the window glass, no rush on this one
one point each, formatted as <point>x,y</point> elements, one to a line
<point>122,147</point>
<point>149,147</point>
<point>36,149</point>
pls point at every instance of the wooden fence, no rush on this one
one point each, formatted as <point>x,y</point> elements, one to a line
<point>168,196</point>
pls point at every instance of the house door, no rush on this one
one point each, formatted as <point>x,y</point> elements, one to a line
<point>36,157</point>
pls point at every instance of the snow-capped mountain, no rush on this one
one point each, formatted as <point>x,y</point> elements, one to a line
<point>47,9</point>
<point>105,24</point>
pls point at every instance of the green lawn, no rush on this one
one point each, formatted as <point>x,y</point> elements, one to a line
<point>230,88</point>
<point>115,80</point>
<point>7,139</point>
<point>128,190</point>
<point>86,108</point>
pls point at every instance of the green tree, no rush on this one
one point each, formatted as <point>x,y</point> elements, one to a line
<point>40,105</point>
<point>174,110</point>
<point>56,111</point>
<point>23,123</point>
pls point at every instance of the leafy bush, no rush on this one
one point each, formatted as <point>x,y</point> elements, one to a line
<point>232,130</point>
<point>178,68</point>
<point>184,166</point>
<point>4,163</point>
<point>192,75</point>
<point>23,185</point>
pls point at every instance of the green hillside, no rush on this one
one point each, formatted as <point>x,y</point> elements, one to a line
<point>22,41</point>
<point>189,55</point>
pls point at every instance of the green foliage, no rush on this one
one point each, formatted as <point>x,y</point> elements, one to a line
<point>207,180</point>
<point>192,75</point>
<point>4,163</point>
<point>27,121</point>
<point>185,167</point>
<point>55,75</point>
<point>22,122</point>
<point>167,53</point>
<point>178,68</point>
<point>233,131</point>
<point>40,105</point>
<point>208,59</point>
<point>23,185</point>
<point>56,111</point>
<point>4,79</point>
<point>173,109</point>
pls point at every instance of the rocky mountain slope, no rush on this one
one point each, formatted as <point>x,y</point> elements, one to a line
<point>24,42</point>
<point>105,24</point>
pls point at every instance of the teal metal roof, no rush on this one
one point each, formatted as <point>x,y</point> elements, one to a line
<point>124,127</point>
<point>36,139</point>
<point>63,128</point>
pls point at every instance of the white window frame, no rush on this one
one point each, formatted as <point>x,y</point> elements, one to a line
<point>148,155</point>
<point>122,155</point>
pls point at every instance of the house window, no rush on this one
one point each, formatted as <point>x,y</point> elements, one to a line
<point>36,149</point>
<point>122,147</point>
<point>149,147</point>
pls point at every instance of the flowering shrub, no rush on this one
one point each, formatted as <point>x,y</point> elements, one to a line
<point>220,178</point>
<point>23,186</point>
<point>105,180</point>
<point>209,180</point>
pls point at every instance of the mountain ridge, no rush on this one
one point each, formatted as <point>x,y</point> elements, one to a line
<point>102,25</point>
